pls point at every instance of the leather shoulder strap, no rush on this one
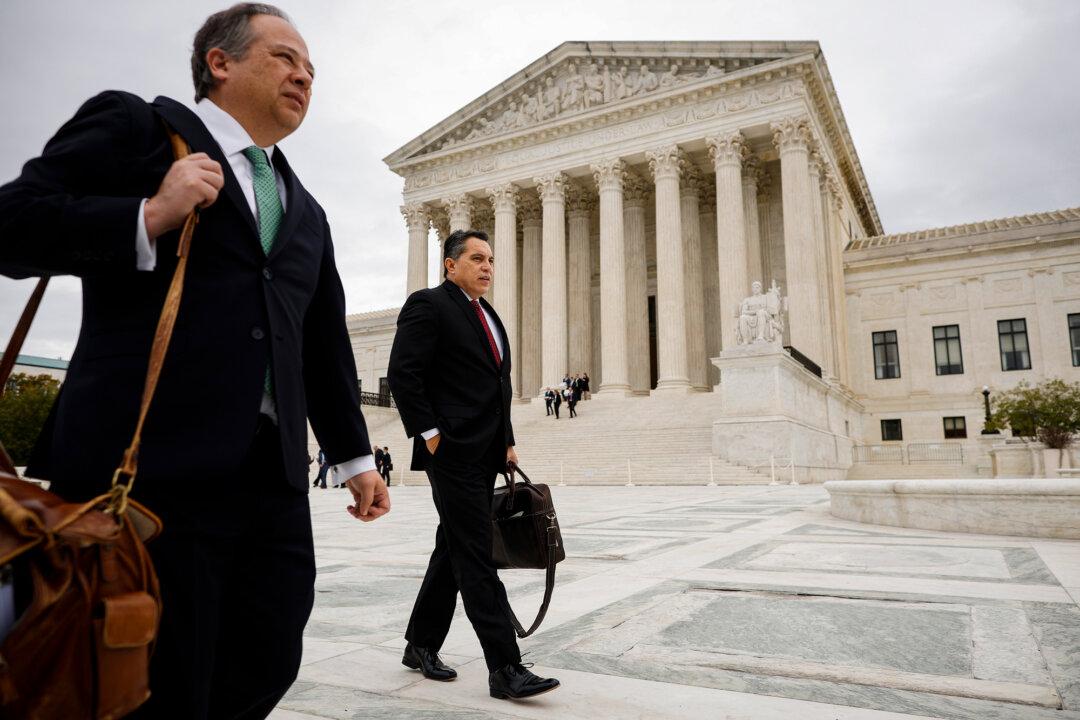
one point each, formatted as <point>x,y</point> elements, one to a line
<point>11,354</point>
<point>549,587</point>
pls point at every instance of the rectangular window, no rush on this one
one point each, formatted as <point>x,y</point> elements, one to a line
<point>947,356</point>
<point>1013,342</point>
<point>891,430</point>
<point>955,427</point>
<point>384,387</point>
<point>886,355</point>
<point>1074,337</point>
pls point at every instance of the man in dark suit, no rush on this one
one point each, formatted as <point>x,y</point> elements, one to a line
<point>450,376</point>
<point>259,339</point>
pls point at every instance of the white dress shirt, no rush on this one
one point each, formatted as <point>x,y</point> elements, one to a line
<point>231,137</point>
<point>427,435</point>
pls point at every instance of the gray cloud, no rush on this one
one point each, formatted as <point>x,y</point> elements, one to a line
<point>960,111</point>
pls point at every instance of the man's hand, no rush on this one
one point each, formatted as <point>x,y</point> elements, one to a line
<point>433,443</point>
<point>511,456</point>
<point>370,495</point>
<point>192,181</point>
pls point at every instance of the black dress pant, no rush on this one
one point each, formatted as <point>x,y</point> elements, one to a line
<point>462,562</point>
<point>237,571</point>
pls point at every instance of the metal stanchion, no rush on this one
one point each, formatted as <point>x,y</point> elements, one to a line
<point>772,469</point>
<point>712,479</point>
<point>629,475</point>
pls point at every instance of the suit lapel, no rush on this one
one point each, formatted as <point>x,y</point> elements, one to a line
<point>294,193</point>
<point>190,127</point>
<point>504,366</point>
<point>457,295</point>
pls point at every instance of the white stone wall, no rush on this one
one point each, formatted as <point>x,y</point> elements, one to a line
<point>973,279</point>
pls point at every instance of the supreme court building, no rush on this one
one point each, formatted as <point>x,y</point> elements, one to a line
<point>634,191</point>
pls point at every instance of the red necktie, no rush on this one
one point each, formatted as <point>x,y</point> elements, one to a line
<point>491,338</point>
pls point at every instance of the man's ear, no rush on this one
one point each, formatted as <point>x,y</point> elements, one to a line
<point>218,62</point>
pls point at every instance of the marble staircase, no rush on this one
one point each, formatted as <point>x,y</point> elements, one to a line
<point>667,441</point>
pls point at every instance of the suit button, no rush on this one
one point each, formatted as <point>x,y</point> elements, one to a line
<point>498,411</point>
<point>268,273</point>
<point>257,333</point>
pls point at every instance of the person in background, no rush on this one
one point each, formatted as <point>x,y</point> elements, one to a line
<point>387,465</point>
<point>549,398</point>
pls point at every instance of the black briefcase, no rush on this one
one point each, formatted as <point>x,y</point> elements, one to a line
<point>525,534</point>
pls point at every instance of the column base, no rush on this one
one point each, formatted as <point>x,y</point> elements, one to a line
<point>672,387</point>
<point>612,391</point>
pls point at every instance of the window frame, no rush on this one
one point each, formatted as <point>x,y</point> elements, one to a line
<point>899,429</point>
<point>1074,337</point>
<point>958,433</point>
<point>1012,334</point>
<point>950,367</point>
<point>879,370</point>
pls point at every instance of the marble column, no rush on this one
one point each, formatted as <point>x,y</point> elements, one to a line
<point>579,281</point>
<point>666,164</point>
<point>764,186</point>
<point>832,202</point>
<point>552,191</point>
<point>531,277</point>
<point>697,362</point>
<point>828,361</point>
<point>609,176</point>
<point>504,205</point>
<point>459,208</point>
<point>440,220</point>
<point>727,154</point>
<point>417,220</point>
<point>754,252</point>
<point>635,194</point>
<point>710,273</point>
<point>792,137</point>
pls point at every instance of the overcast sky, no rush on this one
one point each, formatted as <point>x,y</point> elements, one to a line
<point>960,111</point>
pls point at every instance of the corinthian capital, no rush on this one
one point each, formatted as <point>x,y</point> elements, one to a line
<point>635,190</point>
<point>578,199</point>
<point>751,174</point>
<point>691,180</point>
<point>529,208</point>
<point>727,149</point>
<point>791,133</point>
<point>665,162</point>
<point>416,216</point>
<point>609,174</point>
<point>552,187</point>
<point>458,205</point>
<point>504,198</point>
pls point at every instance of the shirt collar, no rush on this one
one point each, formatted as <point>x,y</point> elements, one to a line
<point>226,130</point>
<point>468,297</point>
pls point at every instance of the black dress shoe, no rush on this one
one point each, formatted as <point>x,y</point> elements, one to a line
<point>515,681</point>
<point>427,662</point>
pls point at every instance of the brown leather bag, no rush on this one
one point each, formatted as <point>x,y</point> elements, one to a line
<point>84,589</point>
<point>525,534</point>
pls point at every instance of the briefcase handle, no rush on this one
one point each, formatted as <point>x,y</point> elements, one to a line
<point>508,476</point>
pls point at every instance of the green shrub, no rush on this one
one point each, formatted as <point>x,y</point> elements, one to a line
<point>23,410</point>
<point>1050,411</point>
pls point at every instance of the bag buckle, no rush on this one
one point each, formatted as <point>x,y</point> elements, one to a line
<point>118,494</point>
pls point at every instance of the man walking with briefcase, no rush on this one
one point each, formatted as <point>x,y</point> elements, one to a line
<point>450,376</point>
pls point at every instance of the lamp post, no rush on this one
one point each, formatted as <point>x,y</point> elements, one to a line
<point>986,406</point>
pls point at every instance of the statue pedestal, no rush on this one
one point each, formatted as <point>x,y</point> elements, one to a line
<point>773,407</point>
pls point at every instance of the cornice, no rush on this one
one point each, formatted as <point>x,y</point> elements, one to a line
<point>804,61</point>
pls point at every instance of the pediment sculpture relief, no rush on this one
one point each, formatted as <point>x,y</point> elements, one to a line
<point>580,85</point>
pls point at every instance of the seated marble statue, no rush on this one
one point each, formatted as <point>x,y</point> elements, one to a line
<point>759,316</point>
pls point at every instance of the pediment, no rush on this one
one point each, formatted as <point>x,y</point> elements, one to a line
<point>579,77</point>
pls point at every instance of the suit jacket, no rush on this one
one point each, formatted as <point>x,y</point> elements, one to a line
<point>74,211</point>
<point>442,375</point>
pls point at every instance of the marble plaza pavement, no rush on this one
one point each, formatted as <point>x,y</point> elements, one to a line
<point>733,602</point>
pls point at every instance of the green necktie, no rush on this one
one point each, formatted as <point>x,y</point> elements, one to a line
<point>267,199</point>
<point>268,203</point>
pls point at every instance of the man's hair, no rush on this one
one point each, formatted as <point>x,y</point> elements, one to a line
<point>229,30</point>
<point>455,244</point>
